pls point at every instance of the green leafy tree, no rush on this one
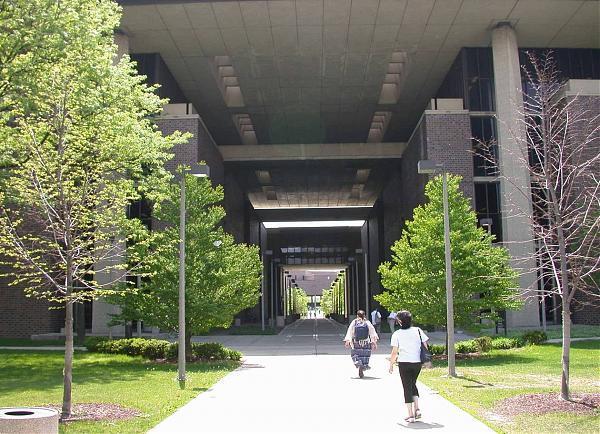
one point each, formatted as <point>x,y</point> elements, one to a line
<point>301,301</point>
<point>327,302</point>
<point>415,278</point>
<point>76,147</point>
<point>222,277</point>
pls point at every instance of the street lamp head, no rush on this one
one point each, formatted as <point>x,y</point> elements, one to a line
<point>427,167</point>
<point>217,243</point>
<point>200,170</point>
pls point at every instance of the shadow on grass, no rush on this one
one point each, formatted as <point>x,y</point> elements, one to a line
<point>491,360</point>
<point>478,384</point>
<point>36,370</point>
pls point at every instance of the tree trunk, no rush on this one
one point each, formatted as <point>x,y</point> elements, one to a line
<point>188,346</point>
<point>566,311</point>
<point>80,322</point>
<point>566,351</point>
<point>68,367</point>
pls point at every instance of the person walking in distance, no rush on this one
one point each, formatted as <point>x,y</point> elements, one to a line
<point>406,350</point>
<point>391,319</point>
<point>376,319</point>
<point>361,337</point>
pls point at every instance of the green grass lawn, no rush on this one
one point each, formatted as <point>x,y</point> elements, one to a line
<point>485,381</point>
<point>30,378</point>
<point>553,331</point>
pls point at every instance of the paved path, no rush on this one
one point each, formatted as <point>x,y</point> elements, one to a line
<point>303,381</point>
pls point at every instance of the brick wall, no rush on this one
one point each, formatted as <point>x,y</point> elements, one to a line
<point>20,316</point>
<point>201,147</point>
<point>586,307</point>
<point>412,185</point>
<point>449,142</point>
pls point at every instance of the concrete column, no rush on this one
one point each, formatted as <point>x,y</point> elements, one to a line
<point>516,206</point>
<point>101,311</point>
<point>122,41</point>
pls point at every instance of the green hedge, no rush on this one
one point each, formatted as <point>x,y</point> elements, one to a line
<point>159,349</point>
<point>485,344</point>
<point>534,337</point>
<point>506,343</point>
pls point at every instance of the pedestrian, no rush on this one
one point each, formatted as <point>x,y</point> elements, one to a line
<point>406,351</point>
<point>391,319</point>
<point>361,337</point>
<point>376,319</point>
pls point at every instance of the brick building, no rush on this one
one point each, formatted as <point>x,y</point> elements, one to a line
<point>319,110</point>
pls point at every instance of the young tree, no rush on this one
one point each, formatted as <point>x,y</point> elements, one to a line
<point>483,280</point>
<point>76,147</point>
<point>300,301</point>
<point>327,302</point>
<point>222,277</point>
<point>561,150</point>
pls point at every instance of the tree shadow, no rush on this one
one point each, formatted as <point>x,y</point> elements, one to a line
<point>491,360</point>
<point>33,370</point>
<point>478,384</point>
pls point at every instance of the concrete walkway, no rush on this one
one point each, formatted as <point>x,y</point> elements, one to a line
<point>304,381</point>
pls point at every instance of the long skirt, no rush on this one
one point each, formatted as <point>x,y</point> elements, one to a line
<point>361,353</point>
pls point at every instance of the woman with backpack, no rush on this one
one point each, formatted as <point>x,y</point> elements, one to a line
<point>406,350</point>
<point>361,337</point>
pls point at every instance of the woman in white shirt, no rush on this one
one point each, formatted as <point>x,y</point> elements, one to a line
<point>361,337</point>
<point>406,350</point>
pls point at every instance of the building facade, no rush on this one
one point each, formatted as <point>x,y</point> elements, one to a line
<point>319,110</point>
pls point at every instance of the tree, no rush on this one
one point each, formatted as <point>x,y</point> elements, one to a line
<point>327,302</point>
<point>76,147</point>
<point>220,281</point>
<point>300,301</point>
<point>561,151</point>
<point>333,299</point>
<point>483,280</point>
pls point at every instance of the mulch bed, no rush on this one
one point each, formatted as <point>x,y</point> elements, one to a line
<point>98,411</point>
<point>541,403</point>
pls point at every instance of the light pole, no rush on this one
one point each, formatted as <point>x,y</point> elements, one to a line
<point>262,291</point>
<point>201,171</point>
<point>430,167</point>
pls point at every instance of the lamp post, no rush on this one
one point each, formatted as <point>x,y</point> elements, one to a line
<point>262,292</point>
<point>430,167</point>
<point>201,171</point>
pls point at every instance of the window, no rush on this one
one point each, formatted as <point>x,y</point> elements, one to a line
<point>573,63</point>
<point>485,147</point>
<point>479,84</point>
<point>487,206</point>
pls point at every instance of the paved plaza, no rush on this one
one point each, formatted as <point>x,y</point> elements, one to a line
<point>303,380</point>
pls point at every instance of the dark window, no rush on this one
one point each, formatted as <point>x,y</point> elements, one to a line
<point>479,84</point>
<point>141,209</point>
<point>485,147</point>
<point>487,207</point>
<point>573,63</point>
<point>453,84</point>
<point>156,71</point>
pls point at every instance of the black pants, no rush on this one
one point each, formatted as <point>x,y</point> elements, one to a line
<point>409,372</point>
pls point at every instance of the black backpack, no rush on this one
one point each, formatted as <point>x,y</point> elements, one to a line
<point>361,330</point>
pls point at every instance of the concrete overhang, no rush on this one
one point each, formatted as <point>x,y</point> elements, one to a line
<point>312,151</point>
<point>314,71</point>
<point>314,214</point>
